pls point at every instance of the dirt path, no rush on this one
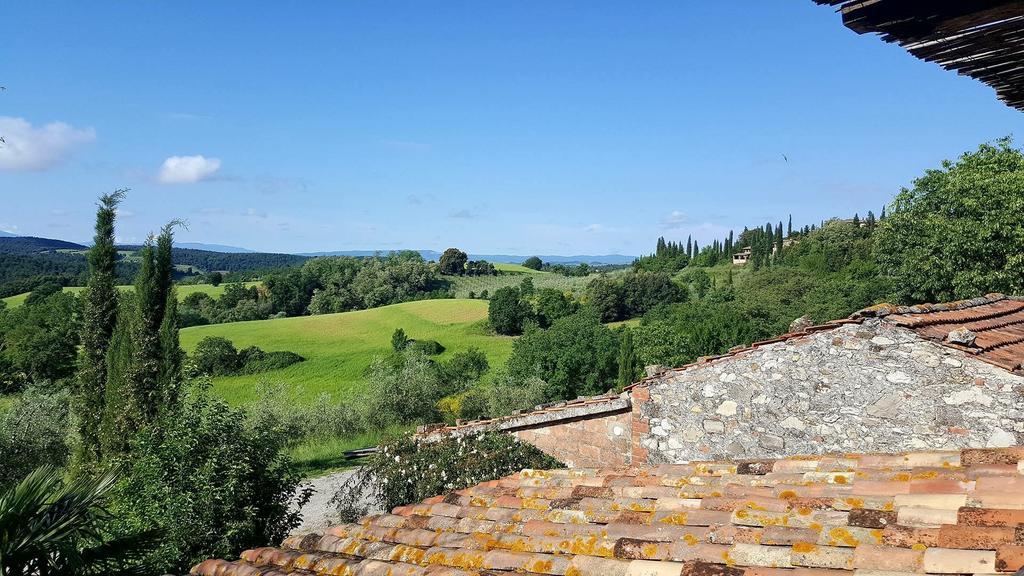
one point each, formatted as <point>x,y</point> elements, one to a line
<point>319,514</point>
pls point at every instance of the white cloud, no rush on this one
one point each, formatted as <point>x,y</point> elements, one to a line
<point>674,220</point>
<point>27,148</point>
<point>9,228</point>
<point>187,169</point>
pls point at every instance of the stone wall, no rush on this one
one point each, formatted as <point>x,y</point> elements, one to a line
<point>857,388</point>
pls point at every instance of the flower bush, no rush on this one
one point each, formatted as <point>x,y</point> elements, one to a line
<point>408,470</point>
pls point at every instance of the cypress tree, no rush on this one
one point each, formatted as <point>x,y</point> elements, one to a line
<point>856,220</point>
<point>870,219</point>
<point>118,417</point>
<point>98,326</point>
<point>145,371</point>
<point>789,227</point>
<point>689,247</point>
<point>627,359</point>
<point>778,240</point>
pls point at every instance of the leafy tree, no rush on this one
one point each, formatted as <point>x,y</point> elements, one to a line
<point>399,340</point>
<point>553,304</point>
<point>42,292</point>
<point>48,526</point>
<point>452,262</point>
<point>526,287</point>
<point>99,321</point>
<point>220,467</point>
<point>39,343</point>
<point>959,232</point>
<point>215,356</point>
<point>535,263</point>
<point>576,356</point>
<point>33,429</point>
<point>604,295</point>
<point>507,312</point>
<point>214,278</point>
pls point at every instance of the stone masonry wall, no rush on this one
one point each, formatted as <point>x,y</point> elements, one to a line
<point>602,441</point>
<point>868,387</point>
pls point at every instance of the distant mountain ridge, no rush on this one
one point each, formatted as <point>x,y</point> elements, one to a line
<point>33,244</point>
<point>613,259</point>
<point>11,243</point>
<point>224,248</point>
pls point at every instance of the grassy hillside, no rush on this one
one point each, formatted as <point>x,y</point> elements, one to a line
<point>463,285</point>
<point>517,268</point>
<point>183,291</point>
<point>339,347</point>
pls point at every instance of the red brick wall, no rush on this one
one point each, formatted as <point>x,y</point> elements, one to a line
<point>600,441</point>
<point>639,426</point>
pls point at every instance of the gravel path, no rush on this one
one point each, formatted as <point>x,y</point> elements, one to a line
<point>319,514</point>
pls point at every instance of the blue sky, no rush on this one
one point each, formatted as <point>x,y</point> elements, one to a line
<point>512,127</point>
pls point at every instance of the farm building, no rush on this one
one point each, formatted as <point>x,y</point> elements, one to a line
<point>742,257</point>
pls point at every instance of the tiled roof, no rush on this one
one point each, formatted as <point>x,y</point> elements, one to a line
<point>995,321</point>
<point>863,515</point>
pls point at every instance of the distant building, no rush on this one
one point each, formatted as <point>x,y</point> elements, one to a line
<point>742,257</point>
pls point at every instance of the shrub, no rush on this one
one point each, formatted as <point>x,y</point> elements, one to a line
<point>265,361</point>
<point>407,470</point>
<point>428,347</point>
<point>215,356</point>
<point>213,477</point>
<point>403,388</point>
<point>33,431</point>
<point>399,340</point>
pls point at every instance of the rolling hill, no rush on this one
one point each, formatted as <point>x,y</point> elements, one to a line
<point>339,347</point>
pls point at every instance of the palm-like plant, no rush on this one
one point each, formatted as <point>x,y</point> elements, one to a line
<point>50,527</point>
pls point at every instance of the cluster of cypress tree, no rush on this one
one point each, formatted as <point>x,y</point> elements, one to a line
<point>130,367</point>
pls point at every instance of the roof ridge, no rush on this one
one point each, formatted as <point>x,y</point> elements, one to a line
<point>885,309</point>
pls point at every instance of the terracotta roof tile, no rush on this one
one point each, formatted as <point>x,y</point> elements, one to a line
<point>914,513</point>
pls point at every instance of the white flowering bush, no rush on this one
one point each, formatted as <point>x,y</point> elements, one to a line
<point>408,470</point>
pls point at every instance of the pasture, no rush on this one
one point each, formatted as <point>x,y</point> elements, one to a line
<point>461,286</point>
<point>339,347</point>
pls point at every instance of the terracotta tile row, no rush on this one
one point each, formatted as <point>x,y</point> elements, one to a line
<point>865,515</point>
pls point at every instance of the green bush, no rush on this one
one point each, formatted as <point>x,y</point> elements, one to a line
<point>215,356</point>
<point>407,470</point>
<point>428,347</point>
<point>214,478</point>
<point>33,431</point>
<point>265,361</point>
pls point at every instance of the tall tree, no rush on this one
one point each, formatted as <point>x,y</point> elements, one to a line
<point>99,321</point>
<point>452,262</point>
<point>168,378</point>
<point>789,227</point>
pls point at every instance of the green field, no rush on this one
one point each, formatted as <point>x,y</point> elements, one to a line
<point>463,285</point>
<point>517,268</point>
<point>339,347</point>
<point>183,291</point>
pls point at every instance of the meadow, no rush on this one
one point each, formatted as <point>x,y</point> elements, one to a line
<point>183,291</point>
<point>461,286</point>
<point>339,347</point>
